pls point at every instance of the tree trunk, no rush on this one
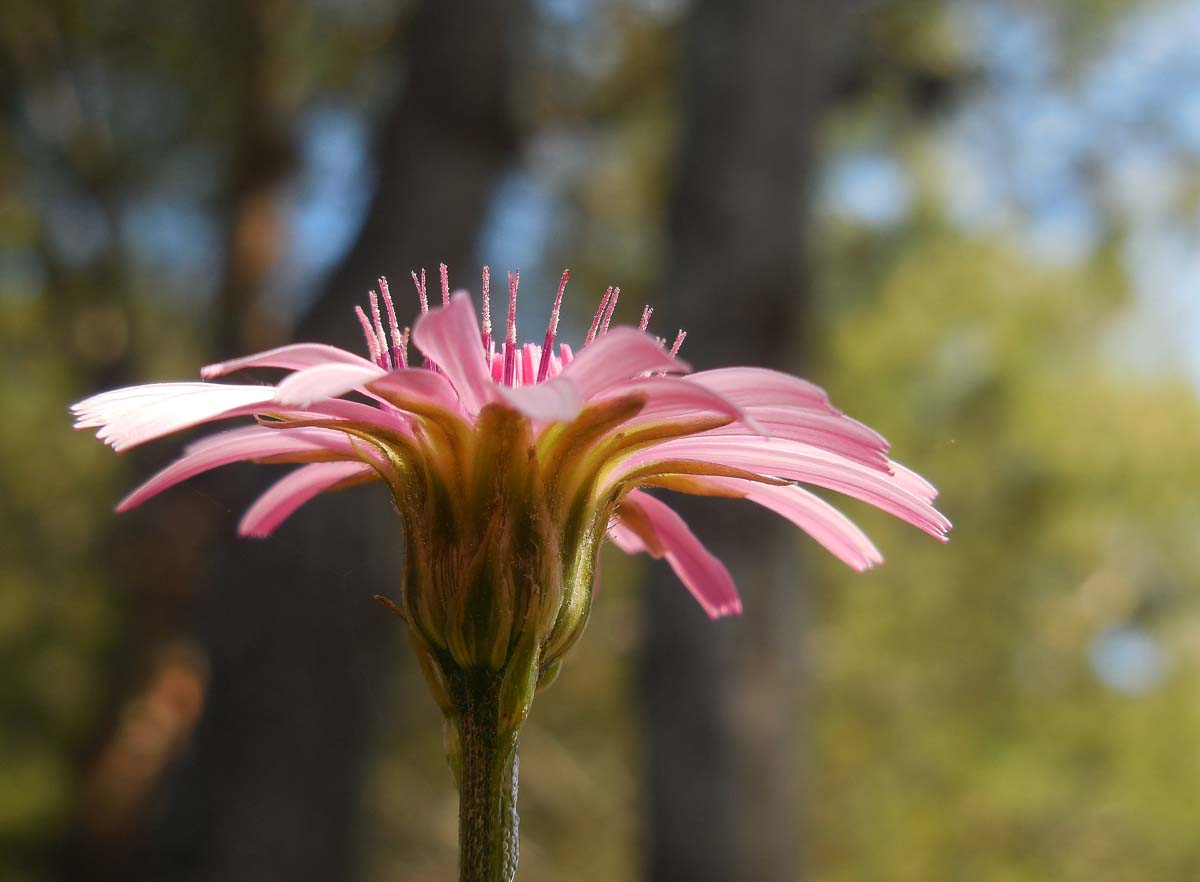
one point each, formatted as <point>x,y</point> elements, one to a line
<point>157,555</point>
<point>721,700</point>
<point>301,657</point>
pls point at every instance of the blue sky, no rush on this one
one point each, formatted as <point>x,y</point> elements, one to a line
<point>1049,156</point>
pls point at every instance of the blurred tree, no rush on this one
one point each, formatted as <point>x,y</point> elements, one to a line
<point>298,650</point>
<point>72,312</point>
<point>721,700</point>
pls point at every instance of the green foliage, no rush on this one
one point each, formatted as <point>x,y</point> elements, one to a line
<point>961,730</point>
<point>58,611</point>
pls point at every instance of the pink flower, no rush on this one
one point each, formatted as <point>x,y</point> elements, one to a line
<point>510,464</point>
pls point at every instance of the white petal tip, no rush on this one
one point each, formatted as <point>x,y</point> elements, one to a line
<point>254,528</point>
<point>721,612</point>
<point>865,564</point>
<point>323,381</point>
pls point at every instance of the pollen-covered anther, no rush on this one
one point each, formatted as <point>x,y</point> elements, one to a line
<point>384,360</point>
<point>679,338</point>
<point>552,328</point>
<point>399,357</point>
<point>423,300</point>
<point>591,334</point>
<point>419,284</point>
<point>608,314</point>
<point>487,310</point>
<point>647,311</point>
<point>510,336</point>
<point>368,333</point>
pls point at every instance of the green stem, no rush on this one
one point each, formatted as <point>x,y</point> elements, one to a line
<point>487,807</point>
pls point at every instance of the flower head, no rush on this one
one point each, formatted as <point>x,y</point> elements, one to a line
<point>511,464</point>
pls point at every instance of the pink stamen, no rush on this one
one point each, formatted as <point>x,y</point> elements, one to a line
<point>527,353</point>
<point>510,340</point>
<point>445,274</point>
<point>420,286</point>
<point>392,323</point>
<point>487,309</point>
<point>647,311</point>
<point>552,330</point>
<point>385,358</point>
<point>591,334</point>
<point>612,304</point>
<point>679,338</point>
<point>402,347</point>
<point>369,333</point>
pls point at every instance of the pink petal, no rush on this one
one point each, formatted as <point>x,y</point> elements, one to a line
<point>137,414</point>
<point>829,431</point>
<point>418,385</point>
<point>671,398</point>
<point>749,386</point>
<point>131,416</point>
<point>325,381</point>
<point>554,366</point>
<point>348,410</point>
<point>295,356</point>
<point>621,354</point>
<point>252,431</point>
<point>624,538</point>
<point>802,462</point>
<point>289,493</point>
<point>530,353</point>
<point>914,483</point>
<point>251,442</point>
<point>449,337</point>
<point>836,532</point>
<point>698,569</point>
<point>550,401</point>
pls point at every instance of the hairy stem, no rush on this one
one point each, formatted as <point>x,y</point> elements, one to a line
<point>487,807</point>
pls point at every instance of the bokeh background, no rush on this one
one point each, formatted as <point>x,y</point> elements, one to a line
<point>976,222</point>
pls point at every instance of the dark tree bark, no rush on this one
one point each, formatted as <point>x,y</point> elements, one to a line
<point>721,700</point>
<point>156,679</point>
<point>440,155</point>
<point>301,657</point>
<point>264,159</point>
